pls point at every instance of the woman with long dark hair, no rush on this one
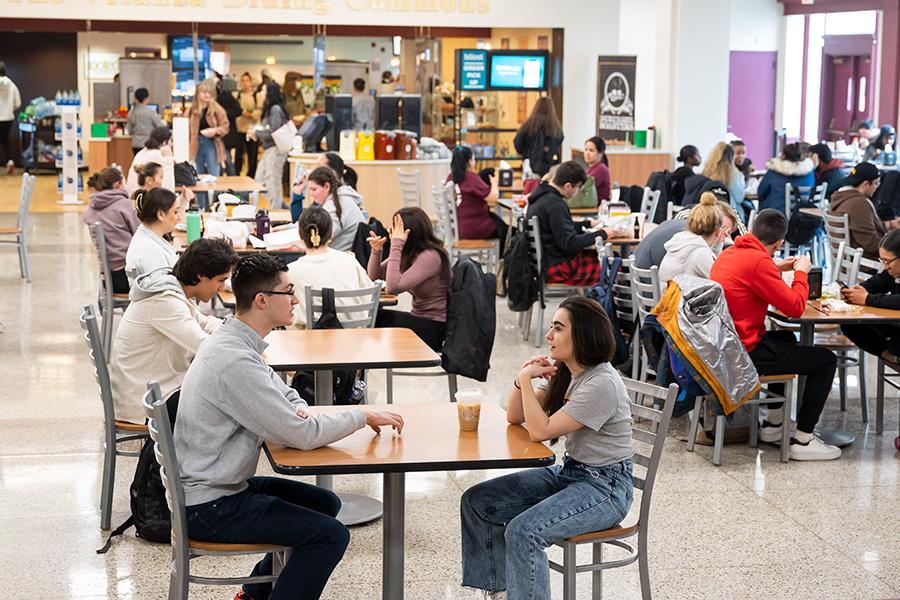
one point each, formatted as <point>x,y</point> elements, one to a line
<point>324,187</point>
<point>476,219</point>
<point>598,166</point>
<point>574,392</point>
<point>272,162</point>
<point>540,137</point>
<point>347,178</point>
<point>418,264</point>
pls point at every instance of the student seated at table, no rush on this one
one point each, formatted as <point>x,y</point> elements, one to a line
<point>158,210</point>
<point>598,166</point>
<point>152,175</point>
<point>741,161</point>
<point>231,402</point>
<point>347,176</point>
<point>652,249</point>
<point>157,149</point>
<point>719,167</point>
<point>791,168</point>
<point>323,266</point>
<point>887,136</point>
<point>880,291</point>
<point>345,214</point>
<point>853,199</point>
<point>418,263</point>
<point>509,521</point>
<point>476,219</point>
<point>693,251</point>
<point>829,170</point>
<point>689,157</point>
<point>752,281</point>
<point>162,329</point>
<point>111,207</point>
<point>569,252</point>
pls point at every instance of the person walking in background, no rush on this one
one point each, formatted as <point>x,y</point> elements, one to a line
<point>208,127</point>
<point>273,159</point>
<point>363,106</point>
<point>540,137</point>
<point>294,105</point>
<point>10,100</point>
<point>251,110</point>
<point>142,119</point>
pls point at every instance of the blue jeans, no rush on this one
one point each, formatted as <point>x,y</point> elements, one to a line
<point>206,159</point>
<point>278,511</point>
<point>508,522</point>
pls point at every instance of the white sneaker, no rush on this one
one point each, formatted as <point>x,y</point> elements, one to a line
<point>493,595</point>
<point>770,434</point>
<point>10,167</point>
<point>814,449</point>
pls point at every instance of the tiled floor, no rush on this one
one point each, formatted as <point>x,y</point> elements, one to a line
<point>752,528</point>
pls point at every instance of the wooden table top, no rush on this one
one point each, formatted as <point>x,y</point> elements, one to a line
<point>277,217</point>
<point>814,314</point>
<point>384,348</point>
<point>223,183</point>
<point>431,441</point>
<point>813,211</point>
<point>630,241</point>
<point>180,243</point>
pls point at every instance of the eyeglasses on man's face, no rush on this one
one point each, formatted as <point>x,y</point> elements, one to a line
<point>288,292</point>
<point>888,261</point>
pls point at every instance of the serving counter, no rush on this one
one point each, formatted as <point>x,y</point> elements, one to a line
<point>108,150</point>
<point>379,185</point>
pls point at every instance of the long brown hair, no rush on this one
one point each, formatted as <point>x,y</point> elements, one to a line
<point>421,238</point>
<point>543,119</point>
<point>592,342</point>
<point>323,175</point>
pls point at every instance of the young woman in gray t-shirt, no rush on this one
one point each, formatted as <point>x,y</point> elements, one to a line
<point>508,522</point>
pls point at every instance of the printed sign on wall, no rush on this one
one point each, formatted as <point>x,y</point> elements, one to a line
<point>615,97</point>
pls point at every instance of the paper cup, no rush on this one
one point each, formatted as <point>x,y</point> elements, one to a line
<point>468,409</point>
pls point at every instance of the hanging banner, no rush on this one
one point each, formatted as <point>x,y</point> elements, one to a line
<point>615,97</point>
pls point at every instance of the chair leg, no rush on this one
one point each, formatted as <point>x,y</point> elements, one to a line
<point>179,578</point>
<point>389,377</point>
<point>451,383</point>
<point>569,573</point>
<point>754,425</point>
<point>644,564</point>
<point>786,426</point>
<point>863,401</point>
<point>539,326</point>
<point>695,423</point>
<point>108,483</point>
<point>526,324</point>
<point>720,440</point>
<point>597,576</point>
<point>842,379</point>
<point>879,398</point>
<point>108,340</point>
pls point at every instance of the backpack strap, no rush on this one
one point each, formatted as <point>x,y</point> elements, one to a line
<point>116,532</point>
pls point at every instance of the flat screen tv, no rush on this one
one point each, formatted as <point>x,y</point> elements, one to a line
<point>518,70</point>
<point>183,53</point>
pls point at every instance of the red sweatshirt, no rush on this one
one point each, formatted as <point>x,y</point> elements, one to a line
<point>752,282</point>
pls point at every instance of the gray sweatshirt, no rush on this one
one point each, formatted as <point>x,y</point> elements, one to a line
<point>231,402</point>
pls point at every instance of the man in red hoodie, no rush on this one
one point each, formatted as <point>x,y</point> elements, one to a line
<point>752,281</point>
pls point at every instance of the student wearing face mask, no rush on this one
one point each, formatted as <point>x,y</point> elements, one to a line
<point>693,251</point>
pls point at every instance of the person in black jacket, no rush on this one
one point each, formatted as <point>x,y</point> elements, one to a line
<point>227,87</point>
<point>569,254</point>
<point>690,157</point>
<point>829,170</point>
<point>540,137</point>
<point>881,291</point>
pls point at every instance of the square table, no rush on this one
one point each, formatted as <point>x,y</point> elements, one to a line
<point>224,183</point>
<point>179,240</point>
<point>323,350</point>
<point>814,315</point>
<point>431,441</point>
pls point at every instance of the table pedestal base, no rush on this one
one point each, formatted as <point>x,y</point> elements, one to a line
<point>835,437</point>
<point>358,510</point>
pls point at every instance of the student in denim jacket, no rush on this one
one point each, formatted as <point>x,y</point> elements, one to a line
<point>508,522</point>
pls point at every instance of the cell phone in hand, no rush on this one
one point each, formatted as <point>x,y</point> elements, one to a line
<point>842,284</point>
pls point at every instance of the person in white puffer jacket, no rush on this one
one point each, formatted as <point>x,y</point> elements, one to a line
<point>693,251</point>
<point>10,100</point>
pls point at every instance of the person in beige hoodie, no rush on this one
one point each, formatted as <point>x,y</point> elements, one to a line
<point>162,329</point>
<point>853,199</point>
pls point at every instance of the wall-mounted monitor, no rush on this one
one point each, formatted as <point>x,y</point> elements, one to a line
<point>473,66</point>
<point>182,53</point>
<point>517,70</point>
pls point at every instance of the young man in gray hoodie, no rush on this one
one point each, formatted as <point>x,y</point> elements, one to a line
<point>231,402</point>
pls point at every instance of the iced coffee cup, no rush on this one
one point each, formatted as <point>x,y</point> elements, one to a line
<point>468,407</point>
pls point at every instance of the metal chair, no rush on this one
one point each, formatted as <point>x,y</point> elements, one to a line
<point>648,452</point>
<point>837,232</point>
<point>19,233</point>
<point>363,301</point>
<point>185,549</point>
<point>106,299</point>
<point>649,203</point>
<point>672,209</point>
<point>813,194</point>
<point>486,252</point>
<point>623,300</point>
<point>409,188</point>
<point>645,293</point>
<point>115,432</point>
<point>533,232</point>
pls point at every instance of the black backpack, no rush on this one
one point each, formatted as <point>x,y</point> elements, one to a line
<point>471,321</point>
<point>887,196</point>
<point>603,294</point>
<point>149,512</point>
<point>520,281</point>
<point>185,174</point>
<point>361,248</point>
<point>802,227</point>
<point>344,382</point>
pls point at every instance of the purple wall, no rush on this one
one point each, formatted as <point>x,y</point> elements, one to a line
<point>751,102</point>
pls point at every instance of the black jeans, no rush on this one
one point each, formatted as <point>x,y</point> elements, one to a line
<point>278,511</point>
<point>120,283</point>
<point>431,332</point>
<point>778,353</point>
<point>874,339</point>
<point>251,147</point>
<point>502,229</point>
<point>5,129</point>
